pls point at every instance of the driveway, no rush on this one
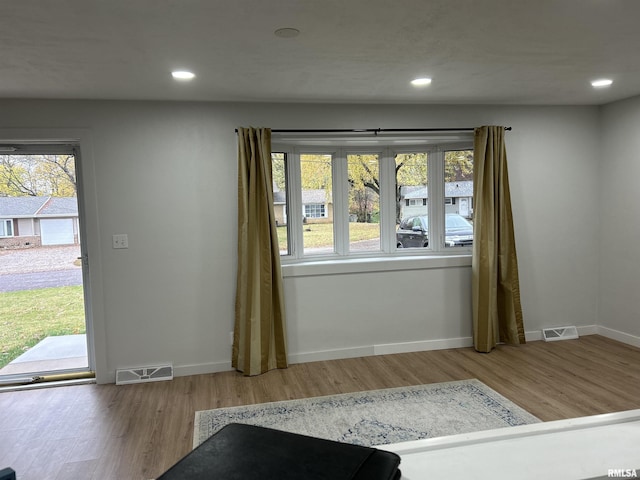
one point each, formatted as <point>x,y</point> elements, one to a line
<point>31,268</point>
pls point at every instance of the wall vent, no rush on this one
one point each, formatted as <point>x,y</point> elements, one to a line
<point>559,333</point>
<point>144,374</point>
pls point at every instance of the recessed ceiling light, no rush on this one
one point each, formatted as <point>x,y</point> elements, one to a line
<point>287,32</point>
<point>603,82</point>
<point>182,75</point>
<point>421,82</point>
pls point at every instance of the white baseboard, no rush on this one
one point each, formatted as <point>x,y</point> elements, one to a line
<point>202,368</point>
<point>382,349</point>
<point>390,348</point>
<point>588,330</point>
<point>440,344</point>
<point>422,346</point>
<point>336,354</point>
<point>619,336</point>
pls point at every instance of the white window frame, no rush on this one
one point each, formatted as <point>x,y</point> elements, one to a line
<point>8,225</point>
<point>386,152</point>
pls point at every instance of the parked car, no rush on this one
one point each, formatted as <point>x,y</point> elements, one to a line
<point>414,232</point>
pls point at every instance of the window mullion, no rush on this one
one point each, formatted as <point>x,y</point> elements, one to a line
<point>340,203</point>
<point>436,200</point>
<point>295,205</point>
<point>387,202</point>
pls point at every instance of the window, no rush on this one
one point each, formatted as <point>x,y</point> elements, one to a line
<point>458,191</point>
<point>314,210</point>
<point>6,228</point>
<point>316,192</point>
<point>363,178</point>
<point>344,199</point>
<point>279,183</point>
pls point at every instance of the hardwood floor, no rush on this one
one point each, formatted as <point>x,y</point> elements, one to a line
<point>138,431</point>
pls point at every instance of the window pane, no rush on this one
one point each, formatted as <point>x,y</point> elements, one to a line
<point>364,202</point>
<point>412,200</point>
<point>317,204</point>
<point>315,210</point>
<point>280,205</point>
<point>458,192</point>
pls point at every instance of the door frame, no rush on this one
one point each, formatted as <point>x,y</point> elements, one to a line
<point>79,143</point>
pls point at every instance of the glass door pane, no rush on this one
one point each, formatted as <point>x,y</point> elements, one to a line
<point>42,298</point>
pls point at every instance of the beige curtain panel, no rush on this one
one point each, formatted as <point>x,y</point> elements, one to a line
<point>259,338</point>
<point>497,312</point>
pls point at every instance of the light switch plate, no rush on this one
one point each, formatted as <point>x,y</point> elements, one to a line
<point>121,241</point>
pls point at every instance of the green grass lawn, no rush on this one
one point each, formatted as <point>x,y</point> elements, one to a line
<point>318,235</point>
<point>28,316</point>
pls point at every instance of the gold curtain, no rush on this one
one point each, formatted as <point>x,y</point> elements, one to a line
<point>259,338</point>
<point>497,312</point>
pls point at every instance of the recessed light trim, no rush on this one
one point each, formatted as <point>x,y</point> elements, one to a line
<point>183,75</point>
<point>601,82</point>
<point>287,32</point>
<point>421,82</point>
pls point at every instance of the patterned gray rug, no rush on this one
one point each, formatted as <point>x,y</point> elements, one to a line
<point>378,417</point>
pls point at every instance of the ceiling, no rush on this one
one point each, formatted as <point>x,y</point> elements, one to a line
<point>542,52</point>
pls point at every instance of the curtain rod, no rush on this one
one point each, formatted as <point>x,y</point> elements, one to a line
<point>375,131</point>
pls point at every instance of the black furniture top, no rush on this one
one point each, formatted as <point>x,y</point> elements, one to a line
<point>247,452</point>
<point>7,474</point>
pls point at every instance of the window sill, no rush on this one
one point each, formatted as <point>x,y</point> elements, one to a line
<point>376,264</point>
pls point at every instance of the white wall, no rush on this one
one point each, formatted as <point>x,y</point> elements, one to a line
<point>620,225</point>
<point>165,174</point>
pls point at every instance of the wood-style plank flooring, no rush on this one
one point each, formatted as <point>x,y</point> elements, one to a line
<point>138,431</point>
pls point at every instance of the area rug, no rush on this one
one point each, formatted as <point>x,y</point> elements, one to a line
<point>377,417</point>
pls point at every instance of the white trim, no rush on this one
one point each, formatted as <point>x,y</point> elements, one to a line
<point>340,193</point>
<point>39,385</point>
<point>88,211</point>
<point>405,347</point>
<point>622,337</point>
<point>335,354</point>
<point>201,368</point>
<point>422,346</point>
<point>295,147</point>
<point>368,351</point>
<point>374,264</point>
<point>7,221</point>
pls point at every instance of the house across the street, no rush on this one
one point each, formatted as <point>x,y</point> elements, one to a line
<point>316,207</point>
<point>38,221</point>
<point>458,199</point>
